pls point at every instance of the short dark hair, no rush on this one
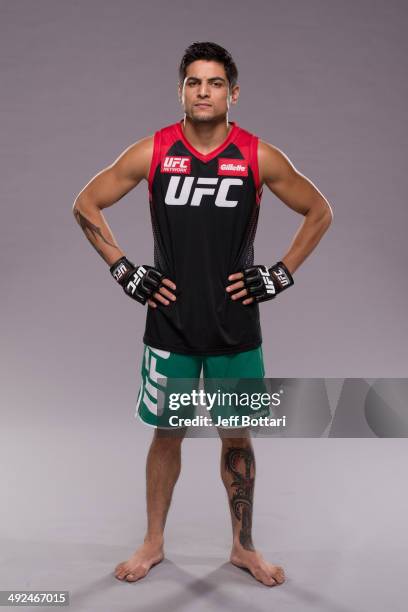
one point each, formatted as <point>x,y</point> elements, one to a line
<point>211,52</point>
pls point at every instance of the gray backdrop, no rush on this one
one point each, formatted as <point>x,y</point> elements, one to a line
<point>325,82</point>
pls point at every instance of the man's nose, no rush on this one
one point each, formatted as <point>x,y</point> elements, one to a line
<point>203,90</point>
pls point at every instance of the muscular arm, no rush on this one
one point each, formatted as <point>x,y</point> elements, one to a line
<point>299,194</point>
<point>107,188</point>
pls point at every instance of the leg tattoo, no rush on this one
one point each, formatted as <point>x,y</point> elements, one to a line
<point>242,500</point>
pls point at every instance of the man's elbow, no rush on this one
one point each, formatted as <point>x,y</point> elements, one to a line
<point>75,206</point>
<point>82,203</point>
<point>78,203</point>
<point>325,214</point>
<point>328,214</point>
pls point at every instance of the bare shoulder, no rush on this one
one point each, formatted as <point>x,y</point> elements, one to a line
<point>273,163</point>
<point>135,160</point>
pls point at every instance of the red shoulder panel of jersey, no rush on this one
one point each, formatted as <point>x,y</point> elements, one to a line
<point>248,145</point>
<point>163,139</point>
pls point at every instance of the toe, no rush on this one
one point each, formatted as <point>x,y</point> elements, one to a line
<point>279,575</point>
<point>122,571</point>
<point>265,578</point>
<point>136,574</point>
<point>119,569</point>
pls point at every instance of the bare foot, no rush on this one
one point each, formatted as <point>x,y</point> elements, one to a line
<point>263,571</point>
<point>139,564</point>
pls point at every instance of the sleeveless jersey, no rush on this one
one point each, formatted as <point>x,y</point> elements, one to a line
<point>204,211</point>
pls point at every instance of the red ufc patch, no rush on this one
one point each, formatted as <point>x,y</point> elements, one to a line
<point>232,167</point>
<point>176,165</point>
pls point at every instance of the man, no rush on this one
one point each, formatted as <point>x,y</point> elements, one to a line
<point>205,177</point>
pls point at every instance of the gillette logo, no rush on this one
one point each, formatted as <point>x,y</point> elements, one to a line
<point>176,165</point>
<point>235,167</point>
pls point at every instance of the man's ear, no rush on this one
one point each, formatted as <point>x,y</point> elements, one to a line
<point>179,91</point>
<point>234,94</point>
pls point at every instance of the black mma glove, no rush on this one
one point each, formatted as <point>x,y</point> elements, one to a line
<point>138,282</point>
<point>264,283</point>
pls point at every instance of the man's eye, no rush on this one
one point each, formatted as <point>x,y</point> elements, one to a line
<point>217,83</point>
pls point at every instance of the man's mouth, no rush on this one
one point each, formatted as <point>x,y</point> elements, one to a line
<point>203,105</point>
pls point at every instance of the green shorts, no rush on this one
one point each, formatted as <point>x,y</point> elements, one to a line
<point>166,375</point>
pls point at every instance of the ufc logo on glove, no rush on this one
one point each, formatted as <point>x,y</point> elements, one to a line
<point>137,277</point>
<point>269,286</point>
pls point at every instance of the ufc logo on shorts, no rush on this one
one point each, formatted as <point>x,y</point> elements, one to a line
<point>176,165</point>
<point>269,286</point>
<point>136,278</point>
<point>194,196</point>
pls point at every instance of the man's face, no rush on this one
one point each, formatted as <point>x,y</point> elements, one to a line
<point>205,93</point>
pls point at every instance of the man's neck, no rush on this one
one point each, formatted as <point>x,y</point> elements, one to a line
<point>205,136</point>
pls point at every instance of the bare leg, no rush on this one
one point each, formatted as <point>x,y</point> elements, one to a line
<point>162,471</point>
<point>238,475</point>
